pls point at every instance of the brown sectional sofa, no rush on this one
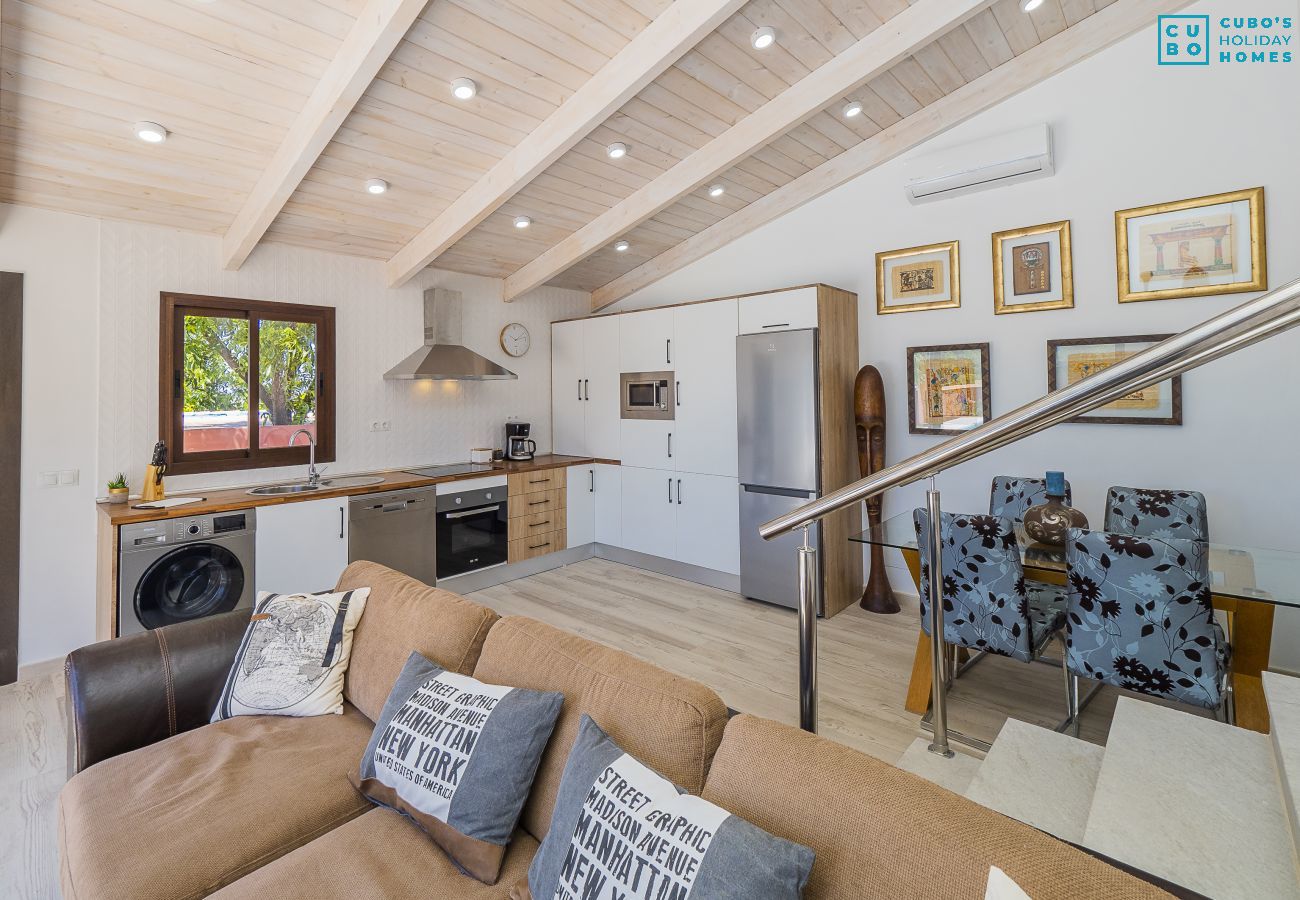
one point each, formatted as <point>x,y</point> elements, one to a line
<point>163,805</point>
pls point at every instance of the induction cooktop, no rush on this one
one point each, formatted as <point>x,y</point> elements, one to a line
<point>453,469</point>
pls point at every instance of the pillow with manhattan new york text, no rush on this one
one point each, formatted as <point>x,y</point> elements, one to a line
<point>621,831</point>
<point>457,757</point>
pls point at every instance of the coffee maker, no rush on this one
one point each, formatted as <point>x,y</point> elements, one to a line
<point>518,446</point>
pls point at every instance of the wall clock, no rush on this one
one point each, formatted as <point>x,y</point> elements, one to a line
<point>515,339</point>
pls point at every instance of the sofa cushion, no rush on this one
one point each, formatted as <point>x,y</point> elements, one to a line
<point>182,817</point>
<point>670,723</point>
<point>379,854</point>
<point>405,615</point>
<point>880,832</point>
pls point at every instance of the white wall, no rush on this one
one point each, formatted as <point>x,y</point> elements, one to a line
<point>90,379</point>
<point>57,255</point>
<point>1127,133</point>
<point>432,422</point>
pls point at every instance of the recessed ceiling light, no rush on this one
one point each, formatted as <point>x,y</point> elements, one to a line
<point>376,186</point>
<point>150,132</point>
<point>617,150</point>
<point>621,246</point>
<point>522,221</point>
<point>1030,5</point>
<point>463,88</point>
<point>717,190</point>
<point>852,109</point>
<point>764,37</point>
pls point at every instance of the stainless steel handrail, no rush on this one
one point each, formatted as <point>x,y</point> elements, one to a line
<point>1267,315</point>
<point>1263,317</point>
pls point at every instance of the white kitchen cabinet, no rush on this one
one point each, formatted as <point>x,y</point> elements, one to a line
<point>301,546</point>
<point>649,511</point>
<point>600,386</point>
<point>594,505</point>
<point>580,511</point>
<point>609,504</point>
<point>568,409</point>
<point>585,408</point>
<point>646,341</point>
<point>649,443</point>
<point>708,521</point>
<point>779,311</point>
<point>704,366</point>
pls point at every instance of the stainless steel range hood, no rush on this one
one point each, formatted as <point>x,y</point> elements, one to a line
<point>443,357</point>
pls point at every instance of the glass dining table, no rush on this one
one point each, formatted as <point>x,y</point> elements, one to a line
<point>1246,582</point>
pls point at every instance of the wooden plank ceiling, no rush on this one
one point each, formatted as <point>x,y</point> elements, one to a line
<point>230,78</point>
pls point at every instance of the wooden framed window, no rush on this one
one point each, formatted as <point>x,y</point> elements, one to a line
<point>237,378</point>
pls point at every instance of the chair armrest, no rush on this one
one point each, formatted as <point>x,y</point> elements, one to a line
<point>134,691</point>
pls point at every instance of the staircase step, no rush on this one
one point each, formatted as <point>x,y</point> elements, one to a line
<point>955,774</point>
<point>1283,694</point>
<point>1194,801</point>
<point>1040,777</point>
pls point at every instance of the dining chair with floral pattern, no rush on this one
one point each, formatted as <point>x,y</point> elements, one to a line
<point>989,606</point>
<point>1144,512</point>
<point>1011,495</point>
<point>1140,617</point>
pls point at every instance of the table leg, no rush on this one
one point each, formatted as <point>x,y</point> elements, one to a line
<point>1252,639</point>
<point>918,688</point>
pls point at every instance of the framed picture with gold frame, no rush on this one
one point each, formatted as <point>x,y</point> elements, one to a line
<point>1192,248</point>
<point>947,388</point>
<point>1073,359</point>
<point>1033,269</point>
<point>918,278</point>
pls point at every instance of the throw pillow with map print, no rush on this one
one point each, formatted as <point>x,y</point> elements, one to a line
<point>457,757</point>
<point>293,656</point>
<point>620,831</point>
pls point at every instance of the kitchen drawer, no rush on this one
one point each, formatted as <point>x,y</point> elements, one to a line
<point>542,501</point>
<point>540,480</point>
<point>536,523</point>
<point>537,545</point>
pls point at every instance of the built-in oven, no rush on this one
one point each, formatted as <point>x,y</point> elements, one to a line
<point>472,527</point>
<point>647,395</point>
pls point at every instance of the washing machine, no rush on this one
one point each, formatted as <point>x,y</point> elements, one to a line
<point>176,570</point>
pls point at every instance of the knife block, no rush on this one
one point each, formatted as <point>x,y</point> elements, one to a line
<point>153,484</point>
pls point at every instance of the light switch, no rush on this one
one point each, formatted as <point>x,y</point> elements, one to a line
<point>49,479</point>
<point>69,476</point>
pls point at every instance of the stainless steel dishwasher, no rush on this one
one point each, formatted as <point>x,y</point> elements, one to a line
<point>395,529</point>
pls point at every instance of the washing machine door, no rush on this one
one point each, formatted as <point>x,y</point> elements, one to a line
<point>190,582</point>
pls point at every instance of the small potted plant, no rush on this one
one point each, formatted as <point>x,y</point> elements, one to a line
<point>118,490</point>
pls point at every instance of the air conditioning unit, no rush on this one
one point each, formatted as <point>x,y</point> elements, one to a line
<point>989,163</point>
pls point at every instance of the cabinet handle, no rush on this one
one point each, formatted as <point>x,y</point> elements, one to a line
<point>540,480</point>
<point>670,490</point>
<point>668,350</point>
<point>579,388</point>
<point>778,325</point>
<point>591,481</point>
<point>679,492</point>
<point>678,392</point>
<point>538,546</point>
<point>670,445</point>
<point>538,502</point>
<point>340,523</point>
<point>586,389</point>
<point>540,524</point>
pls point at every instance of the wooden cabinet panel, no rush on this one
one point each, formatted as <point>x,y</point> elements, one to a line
<point>537,523</point>
<point>532,482</point>
<point>540,501</point>
<point>537,545</point>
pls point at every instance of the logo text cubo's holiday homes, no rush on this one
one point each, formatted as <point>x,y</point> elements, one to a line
<point>1198,40</point>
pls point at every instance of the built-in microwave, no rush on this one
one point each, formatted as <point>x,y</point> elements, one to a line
<point>647,395</point>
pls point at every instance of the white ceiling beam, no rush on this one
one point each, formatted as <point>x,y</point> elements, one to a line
<point>373,38</point>
<point>1093,34</point>
<point>664,41</point>
<point>877,52</point>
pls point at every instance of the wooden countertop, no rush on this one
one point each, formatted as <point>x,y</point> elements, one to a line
<point>227,499</point>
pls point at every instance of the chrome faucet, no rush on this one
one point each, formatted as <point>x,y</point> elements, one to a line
<point>313,477</point>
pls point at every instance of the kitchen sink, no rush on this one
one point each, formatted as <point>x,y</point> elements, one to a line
<point>326,484</point>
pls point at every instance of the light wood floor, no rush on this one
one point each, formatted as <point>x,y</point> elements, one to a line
<point>746,651</point>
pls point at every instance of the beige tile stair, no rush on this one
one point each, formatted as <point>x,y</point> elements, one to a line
<point>1039,777</point>
<point>1194,801</point>
<point>953,773</point>
<point>1283,695</point>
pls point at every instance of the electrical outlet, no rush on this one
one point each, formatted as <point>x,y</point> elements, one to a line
<point>69,476</point>
<point>49,479</point>
<point>381,425</point>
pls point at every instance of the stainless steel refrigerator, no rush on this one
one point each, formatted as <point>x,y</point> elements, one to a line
<point>776,389</point>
